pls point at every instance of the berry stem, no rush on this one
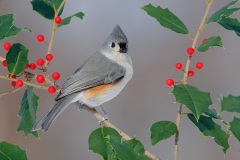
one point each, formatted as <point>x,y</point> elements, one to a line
<point>54,29</point>
<point>185,76</point>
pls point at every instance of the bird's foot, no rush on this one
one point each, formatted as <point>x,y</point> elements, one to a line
<point>104,118</point>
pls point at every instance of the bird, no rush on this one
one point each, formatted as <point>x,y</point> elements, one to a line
<point>99,79</point>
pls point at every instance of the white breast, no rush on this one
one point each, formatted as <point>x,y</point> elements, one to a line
<point>123,60</point>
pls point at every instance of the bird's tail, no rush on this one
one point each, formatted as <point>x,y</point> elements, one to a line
<point>60,105</point>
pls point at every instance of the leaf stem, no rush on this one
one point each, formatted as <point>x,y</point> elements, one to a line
<point>108,124</point>
<point>185,76</point>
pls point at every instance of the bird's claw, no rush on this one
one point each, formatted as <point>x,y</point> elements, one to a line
<point>104,118</point>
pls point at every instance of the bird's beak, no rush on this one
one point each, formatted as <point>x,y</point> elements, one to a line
<point>123,50</point>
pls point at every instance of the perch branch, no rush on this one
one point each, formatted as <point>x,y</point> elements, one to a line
<point>108,124</point>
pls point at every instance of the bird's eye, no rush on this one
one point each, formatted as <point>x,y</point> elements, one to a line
<point>113,45</point>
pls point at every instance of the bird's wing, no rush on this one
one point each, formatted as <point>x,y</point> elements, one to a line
<point>95,71</point>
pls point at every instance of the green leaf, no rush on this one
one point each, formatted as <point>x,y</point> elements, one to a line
<point>7,27</point>
<point>213,114</point>
<point>47,8</point>
<point>11,152</point>
<point>99,141</point>
<point>235,127</point>
<point>230,24</point>
<point>210,42</point>
<point>209,128</point>
<point>27,112</point>
<point>137,147</point>
<point>225,11</point>
<point>107,142</point>
<point>166,18</point>
<point>230,104</point>
<point>17,58</point>
<point>194,99</point>
<point>162,130</point>
<point>67,20</point>
<point>125,151</point>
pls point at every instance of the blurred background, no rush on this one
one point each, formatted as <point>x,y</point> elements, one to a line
<point>146,99</point>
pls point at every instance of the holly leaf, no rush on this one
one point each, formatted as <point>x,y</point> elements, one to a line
<point>47,8</point>
<point>230,104</point>
<point>210,42</point>
<point>11,152</point>
<point>225,11</point>
<point>99,142</point>
<point>127,151</point>
<point>231,24</point>
<point>17,58</point>
<point>67,20</point>
<point>27,112</point>
<point>136,145</point>
<point>213,114</point>
<point>235,127</point>
<point>162,130</point>
<point>7,27</point>
<point>166,18</point>
<point>107,142</point>
<point>194,99</point>
<point>209,128</point>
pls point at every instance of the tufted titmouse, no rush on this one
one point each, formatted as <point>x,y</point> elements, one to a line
<point>100,78</point>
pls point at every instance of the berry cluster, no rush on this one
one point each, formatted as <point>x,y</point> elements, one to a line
<point>40,78</point>
<point>199,65</point>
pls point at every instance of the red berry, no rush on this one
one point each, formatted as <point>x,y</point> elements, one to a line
<point>49,57</point>
<point>40,62</point>
<point>190,51</point>
<point>169,82</point>
<point>40,78</point>
<point>13,84</point>
<point>4,63</point>
<point>19,83</point>
<point>13,76</point>
<point>178,66</point>
<point>190,73</point>
<point>26,67</point>
<point>199,65</point>
<point>40,38</point>
<point>51,89</point>
<point>32,66</point>
<point>58,19</point>
<point>7,46</point>
<point>204,40</point>
<point>55,76</point>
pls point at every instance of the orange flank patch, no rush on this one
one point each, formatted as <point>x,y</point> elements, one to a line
<point>99,91</point>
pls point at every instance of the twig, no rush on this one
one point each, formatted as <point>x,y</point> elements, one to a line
<point>25,83</point>
<point>54,29</point>
<point>2,59</point>
<point>108,124</point>
<point>185,76</point>
<point>10,92</point>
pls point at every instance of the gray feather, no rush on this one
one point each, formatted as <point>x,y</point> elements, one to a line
<point>94,72</point>
<point>45,122</point>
